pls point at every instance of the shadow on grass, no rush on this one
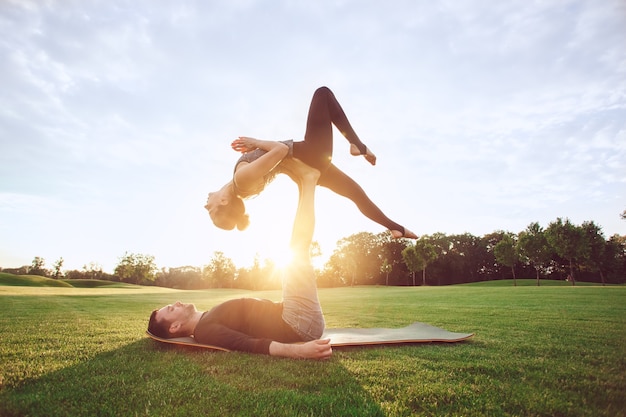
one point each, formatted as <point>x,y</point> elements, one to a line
<point>147,378</point>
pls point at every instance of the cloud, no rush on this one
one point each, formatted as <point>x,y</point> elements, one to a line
<point>482,114</point>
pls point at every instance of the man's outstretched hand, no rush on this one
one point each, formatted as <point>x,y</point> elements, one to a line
<point>315,349</point>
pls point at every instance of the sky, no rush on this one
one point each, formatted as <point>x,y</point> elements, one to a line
<point>116,119</point>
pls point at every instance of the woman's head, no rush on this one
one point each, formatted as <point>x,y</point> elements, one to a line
<point>229,215</point>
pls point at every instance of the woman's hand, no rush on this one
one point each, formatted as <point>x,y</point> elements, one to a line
<point>244,144</point>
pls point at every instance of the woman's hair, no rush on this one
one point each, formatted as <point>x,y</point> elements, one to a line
<point>231,215</point>
<point>159,328</point>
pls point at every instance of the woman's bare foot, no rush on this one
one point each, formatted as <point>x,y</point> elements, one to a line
<point>369,156</point>
<point>397,234</point>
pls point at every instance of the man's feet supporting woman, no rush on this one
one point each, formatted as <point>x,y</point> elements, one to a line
<point>369,156</point>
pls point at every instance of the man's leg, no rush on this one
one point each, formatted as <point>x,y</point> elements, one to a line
<point>301,307</point>
<point>304,223</point>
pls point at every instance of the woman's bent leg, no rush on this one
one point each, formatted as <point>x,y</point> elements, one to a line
<point>317,148</point>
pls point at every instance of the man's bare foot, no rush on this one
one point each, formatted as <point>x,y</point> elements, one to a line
<point>369,156</point>
<point>298,170</point>
<point>397,234</point>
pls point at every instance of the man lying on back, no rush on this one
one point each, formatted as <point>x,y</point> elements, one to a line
<point>291,328</point>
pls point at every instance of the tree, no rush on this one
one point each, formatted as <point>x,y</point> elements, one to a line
<point>596,245</point>
<point>533,245</point>
<point>440,269</point>
<point>386,268</point>
<point>568,242</point>
<point>271,275</point>
<point>390,257</point>
<point>419,256</point>
<point>491,268</point>
<point>330,276</point>
<point>506,253</point>
<point>427,253</point>
<point>182,277</point>
<point>93,270</point>
<point>356,256</point>
<point>466,256</point>
<point>412,261</point>
<point>250,278</point>
<point>615,258</point>
<point>37,267</point>
<point>57,269</point>
<point>315,250</point>
<point>220,272</point>
<point>136,268</point>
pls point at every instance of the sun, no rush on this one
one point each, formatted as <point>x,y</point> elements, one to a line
<point>272,216</point>
<point>280,257</point>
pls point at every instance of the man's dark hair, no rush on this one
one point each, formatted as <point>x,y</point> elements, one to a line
<point>159,328</point>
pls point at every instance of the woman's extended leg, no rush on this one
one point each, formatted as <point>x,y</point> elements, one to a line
<point>337,181</point>
<point>317,148</point>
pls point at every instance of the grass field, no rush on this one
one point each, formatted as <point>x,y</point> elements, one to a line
<point>538,351</point>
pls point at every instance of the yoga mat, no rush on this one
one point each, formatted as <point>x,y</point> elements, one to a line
<point>413,333</point>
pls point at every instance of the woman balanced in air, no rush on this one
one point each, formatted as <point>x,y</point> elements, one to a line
<point>262,160</point>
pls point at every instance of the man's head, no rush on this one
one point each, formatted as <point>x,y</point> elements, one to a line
<point>173,320</point>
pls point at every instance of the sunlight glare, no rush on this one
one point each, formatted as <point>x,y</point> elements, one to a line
<point>280,256</point>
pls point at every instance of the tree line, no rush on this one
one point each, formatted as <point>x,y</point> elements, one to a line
<point>561,251</point>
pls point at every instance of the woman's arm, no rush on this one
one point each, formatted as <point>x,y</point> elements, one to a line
<point>246,144</point>
<point>247,176</point>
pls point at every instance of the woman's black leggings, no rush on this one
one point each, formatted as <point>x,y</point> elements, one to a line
<point>317,148</point>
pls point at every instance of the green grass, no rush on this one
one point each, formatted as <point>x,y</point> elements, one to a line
<point>30,281</point>
<point>7,279</point>
<point>532,283</point>
<point>538,351</point>
<point>97,283</point>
